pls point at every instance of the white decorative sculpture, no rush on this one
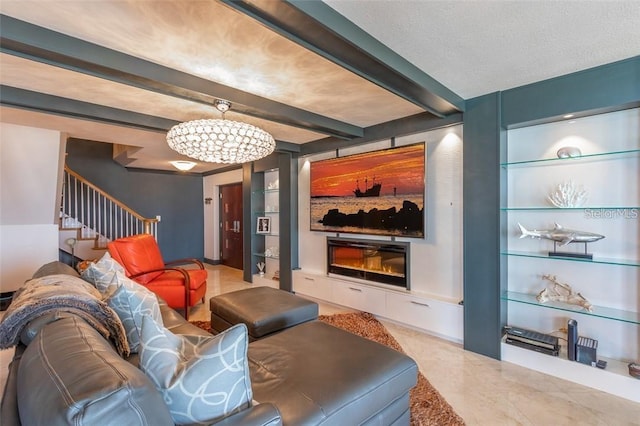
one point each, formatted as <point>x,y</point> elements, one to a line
<point>274,185</point>
<point>567,194</point>
<point>560,292</point>
<point>261,266</point>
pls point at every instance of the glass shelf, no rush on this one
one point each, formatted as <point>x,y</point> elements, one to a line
<point>266,191</point>
<point>265,256</point>
<point>272,234</point>
<point>586,157</point>
<point>600,260</point>
<point>262,213</point>
<point>598,311</point>
<point>569,209</point>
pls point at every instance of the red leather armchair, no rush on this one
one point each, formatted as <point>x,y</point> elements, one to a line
<point>141,258</point>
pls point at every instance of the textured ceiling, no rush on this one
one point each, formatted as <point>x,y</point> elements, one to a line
<point>480,47</point>
<point>470,47</point>
<point>235,51</point>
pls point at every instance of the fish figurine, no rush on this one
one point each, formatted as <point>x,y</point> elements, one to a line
<point>562,235</point>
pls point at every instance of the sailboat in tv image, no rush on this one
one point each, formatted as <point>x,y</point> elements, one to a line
<point>379,192</point>
<point>374,191</point>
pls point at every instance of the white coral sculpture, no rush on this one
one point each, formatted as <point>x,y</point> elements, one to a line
<point>560,292</point>
<point>567,194</point>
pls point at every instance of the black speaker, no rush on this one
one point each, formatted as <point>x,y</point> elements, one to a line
<point>586,350</point>
<point>572,339</point>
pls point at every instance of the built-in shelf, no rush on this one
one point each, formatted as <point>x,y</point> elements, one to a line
<point>598,311</point>
<point>600,260</point>
<point>582,158</point>
<point>266,201</point>
<point>615,379</point>
<point>265,256</point>
<point>266,191</point>
<point>569,209</point>
<point>608,167</point>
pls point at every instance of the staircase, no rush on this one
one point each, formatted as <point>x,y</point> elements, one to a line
<point>90,218</point>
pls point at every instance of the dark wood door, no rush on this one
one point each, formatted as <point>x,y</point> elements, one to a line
<point>231,225</point>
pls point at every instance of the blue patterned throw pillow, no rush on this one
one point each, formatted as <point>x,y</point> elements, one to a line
<point>202,378</point>
<point>102,274</point>
<point>132,302</point>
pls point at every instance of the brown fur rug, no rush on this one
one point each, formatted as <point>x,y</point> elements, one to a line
<point>428,407</point>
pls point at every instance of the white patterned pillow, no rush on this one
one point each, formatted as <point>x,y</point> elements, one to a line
<point>132,302</point>
<point>202,378</point>
<point>102,274</point>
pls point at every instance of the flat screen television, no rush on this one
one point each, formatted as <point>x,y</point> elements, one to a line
<point>379,192</point>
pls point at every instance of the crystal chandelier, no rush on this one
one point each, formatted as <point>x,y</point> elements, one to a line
<point>220,141</point>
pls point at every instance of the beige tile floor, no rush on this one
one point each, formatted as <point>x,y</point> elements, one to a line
<point>482,390</point>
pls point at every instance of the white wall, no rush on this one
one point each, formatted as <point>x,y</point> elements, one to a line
<point>211,190</point>
<point>30,166</point>
<point>436,260</point>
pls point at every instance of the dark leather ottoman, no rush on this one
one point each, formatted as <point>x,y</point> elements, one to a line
<point>264,310</point>
<point>317,374</point>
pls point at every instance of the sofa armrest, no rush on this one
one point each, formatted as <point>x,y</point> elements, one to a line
<point>9,415</point>
<point>264,414</point>
<point>191,261</point>
<point>55,267</point>
<point>70,374</point>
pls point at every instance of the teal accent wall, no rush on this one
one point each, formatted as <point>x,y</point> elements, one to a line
<point>607,88</point>
<point>484,312</point>
<point>287,164</point>
<point>251,245</point>
<point>176,197</point>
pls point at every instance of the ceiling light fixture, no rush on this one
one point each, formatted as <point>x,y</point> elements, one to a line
<point>183,165</point>
<point>220,140</point>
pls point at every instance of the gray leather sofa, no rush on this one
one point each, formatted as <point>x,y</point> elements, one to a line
<point>310,374</point>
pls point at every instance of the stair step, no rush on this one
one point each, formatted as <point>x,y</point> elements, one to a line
<point>83,217</point>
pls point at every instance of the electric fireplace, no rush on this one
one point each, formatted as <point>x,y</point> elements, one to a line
<point>385,262</point>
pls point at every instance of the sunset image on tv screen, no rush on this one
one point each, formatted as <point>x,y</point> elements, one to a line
<point>379,192</point>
